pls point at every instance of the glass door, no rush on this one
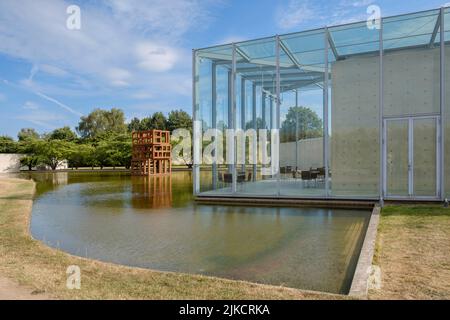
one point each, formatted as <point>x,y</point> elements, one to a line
<point>425,166</point>
<point>411,158</point>
<point>397,158</point>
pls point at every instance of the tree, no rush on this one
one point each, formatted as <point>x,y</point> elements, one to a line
<point>114,150</point>
<point>102,121</point>
<point>28,146</point>
<point>64,133</point>
<point>159,121</point>
<point>309,124</point>
<point>30,161</point>
<point>146,124</point>
<point>27,133</point>
<point>8,145</point>
<point>250,125</point>
<point>179,119</point>
<point>134,125</point>
<point>53,152</point>
<point>81,155</point>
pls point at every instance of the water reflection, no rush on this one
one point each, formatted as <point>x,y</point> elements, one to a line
<point>156,189</point>
<point>153,223</point>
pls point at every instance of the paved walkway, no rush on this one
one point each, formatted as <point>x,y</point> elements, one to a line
<point>9,290</point>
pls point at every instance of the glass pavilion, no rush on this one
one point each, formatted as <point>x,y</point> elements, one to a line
<point>350,111</point>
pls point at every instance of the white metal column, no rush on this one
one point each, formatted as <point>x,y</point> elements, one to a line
<point>382,142</point>
<point>278,115</point>
<point>196,147</point>
<point>254,127</point>
<point>442,108</point>
<point>214,120</point>
<point>233,117</point>
<point>325,116</point>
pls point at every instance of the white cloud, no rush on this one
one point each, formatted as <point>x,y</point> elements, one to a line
<point>41,118</point>
<point>294,14</point>
<point>118,77</point>
<point>155,57</point>
<point>169,18</point>
<point>297,13</point>
<point>121,43</point>
<point>58,103</point>
<point>231,39</point>
<point>141,95</point>
<point>52,70</point>
<point>30,105</point>
<point>357,3</point>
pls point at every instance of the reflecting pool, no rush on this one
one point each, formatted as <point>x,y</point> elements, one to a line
<point>153,223</point>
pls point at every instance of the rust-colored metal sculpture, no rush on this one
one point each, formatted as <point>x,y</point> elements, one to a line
<point>151,153</point>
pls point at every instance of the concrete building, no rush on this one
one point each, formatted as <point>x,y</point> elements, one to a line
<point>376,123</point>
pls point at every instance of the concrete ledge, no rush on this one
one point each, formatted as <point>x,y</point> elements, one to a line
<point>359,287</point>
<point>289,202</point>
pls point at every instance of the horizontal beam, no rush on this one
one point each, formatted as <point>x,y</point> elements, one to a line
<point>285,76</point>
<point>226,61</point>
<point>288,82</point>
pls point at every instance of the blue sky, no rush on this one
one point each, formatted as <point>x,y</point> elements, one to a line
<point>135,54</point>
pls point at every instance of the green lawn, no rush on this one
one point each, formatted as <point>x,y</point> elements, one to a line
<point>413,252</point>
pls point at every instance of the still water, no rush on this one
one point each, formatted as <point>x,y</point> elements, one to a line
<point>153,223</point>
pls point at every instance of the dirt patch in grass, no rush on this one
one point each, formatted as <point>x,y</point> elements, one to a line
<point>413,252</point>
<point>43,269</point>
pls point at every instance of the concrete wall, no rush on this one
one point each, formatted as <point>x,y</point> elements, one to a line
<point>9,163</point>
<point>310,154</point>
<point>411,86</point>
<point>355,145</point>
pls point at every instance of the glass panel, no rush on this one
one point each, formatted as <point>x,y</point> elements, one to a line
<point>411,76</point>
<point>354,158</point>
<point>354,39</point>
<point>302,169</point>
<point>256,69</point>
<point>424,157</point>
<point>397,158</point>
<point>213,96</point>
<point>410,30</point>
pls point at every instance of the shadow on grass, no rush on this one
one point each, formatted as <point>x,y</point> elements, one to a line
<point>17,197</point>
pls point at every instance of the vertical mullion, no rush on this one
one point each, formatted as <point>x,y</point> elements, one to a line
<point>382,142</point>
<point>384,151</point>
<point>243,110</point>
<point>254,127</point>
<point>233,117</point>
<point>411,157</point>
<point>278,106</point>
<point>441,191</point>
<point>296,130</point>
<point>214,120</point>
<point>230,117</point>
<point>325,115</point>
<point>263,110</point>
<point>195,159</point>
